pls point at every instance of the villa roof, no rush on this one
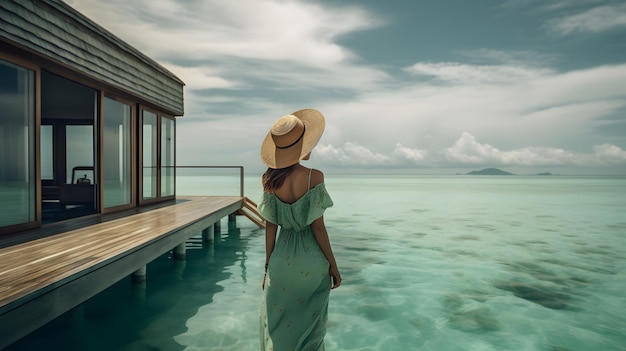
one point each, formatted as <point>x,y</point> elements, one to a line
<point>54,30</point>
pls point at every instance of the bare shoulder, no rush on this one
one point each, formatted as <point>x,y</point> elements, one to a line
<point>317,177</point>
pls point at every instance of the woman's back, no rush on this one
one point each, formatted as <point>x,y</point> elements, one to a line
<point>298,183</point>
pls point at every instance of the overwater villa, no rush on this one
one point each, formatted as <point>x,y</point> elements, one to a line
<point>87,164</point>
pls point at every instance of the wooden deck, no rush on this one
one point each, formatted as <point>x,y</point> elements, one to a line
<point>43,278</point>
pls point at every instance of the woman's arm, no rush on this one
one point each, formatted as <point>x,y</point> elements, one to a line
<point>270,239</point>
<point>321,235</point>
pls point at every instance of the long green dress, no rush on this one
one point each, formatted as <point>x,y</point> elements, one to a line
<point>297,287</point>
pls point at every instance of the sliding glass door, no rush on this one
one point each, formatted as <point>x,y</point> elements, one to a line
<point>17,145</point>
<point>69,146</point>
<point>150,149</point>
<point>168,160</point>
<point>158,141</point>
<point>117,153</point>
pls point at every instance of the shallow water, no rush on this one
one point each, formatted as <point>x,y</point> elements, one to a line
<point>429,263</point>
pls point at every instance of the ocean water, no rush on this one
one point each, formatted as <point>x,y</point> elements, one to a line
<point>428,262</point>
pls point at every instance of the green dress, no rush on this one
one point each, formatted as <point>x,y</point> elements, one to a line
<point>297,287</point>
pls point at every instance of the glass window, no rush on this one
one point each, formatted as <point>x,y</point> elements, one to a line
<point>79,153</point>
<point>168,142</point>
<point>117,153</point>
<point>150,154</point>
<point>46,152</point>
<point>17,144</point>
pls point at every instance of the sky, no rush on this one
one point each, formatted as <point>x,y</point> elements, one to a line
<point>432,87</point>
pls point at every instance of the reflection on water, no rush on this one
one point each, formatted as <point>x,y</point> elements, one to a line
<point>428,263</point>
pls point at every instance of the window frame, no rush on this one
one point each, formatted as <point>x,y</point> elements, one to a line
<point>159,152</point>
<point>133,153</point>
<point>36,168</point>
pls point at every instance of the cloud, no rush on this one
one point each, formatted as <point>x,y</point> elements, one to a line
<point>201,77</point>
<point>269,30</point>
<point>468,74</point>
<point>523,58</point>
<point>610,154</point>
<point>466,150</point>
<point>352,154</point>
<point>248,62</point>
<point>564,109</point>
<point>405,153</point>
<point>595,20</point>
<point>245,58</point>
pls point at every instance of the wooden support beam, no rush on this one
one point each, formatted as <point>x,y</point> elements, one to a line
<point>139,276</point>
<point>217,227</point>
<point>208,234</point>
<point>250,210</point>
<point>180,251</point>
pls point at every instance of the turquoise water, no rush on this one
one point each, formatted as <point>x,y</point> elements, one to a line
<point>429,263</point>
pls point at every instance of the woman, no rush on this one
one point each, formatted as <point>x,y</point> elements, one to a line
<point>300,267</point>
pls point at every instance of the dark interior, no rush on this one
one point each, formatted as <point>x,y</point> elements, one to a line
<point>68,115</point>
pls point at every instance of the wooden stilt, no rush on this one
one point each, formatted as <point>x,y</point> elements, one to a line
<point>139,275</point>
<point>208,234</point>
<point>180,251</point>
<point>217,227</point>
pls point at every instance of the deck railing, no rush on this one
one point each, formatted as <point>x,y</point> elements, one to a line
<point>241,173</point>
<point>249,208</point>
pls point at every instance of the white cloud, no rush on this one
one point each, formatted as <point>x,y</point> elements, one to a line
<point>201,77</point>
<point>595,20</point>
<point>259,29</point>
<point>405,153</point>
<point>535,107</point>
<point>562,109</point>
<point>515,57</point>
<point>353,154</point>
<point>244,45</point>
<point>467,74</point>
<point>467,150</point>
<point>610,154</point>
<point>277,56</point>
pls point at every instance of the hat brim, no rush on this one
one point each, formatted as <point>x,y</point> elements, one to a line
<point>314,124</point>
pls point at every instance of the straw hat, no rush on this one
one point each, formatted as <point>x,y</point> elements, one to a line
<point>292,137</point>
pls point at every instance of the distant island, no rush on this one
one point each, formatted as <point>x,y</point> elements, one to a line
<point>489,171</point>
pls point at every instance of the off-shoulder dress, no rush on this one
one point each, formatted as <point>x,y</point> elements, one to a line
<point>294,308</point>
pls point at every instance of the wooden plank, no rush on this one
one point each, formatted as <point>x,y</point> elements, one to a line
<point>27,267</point>
<point>251,212</point>
<point>252,206</point>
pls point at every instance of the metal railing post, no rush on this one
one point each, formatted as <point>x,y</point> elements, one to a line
<point>241,180</point>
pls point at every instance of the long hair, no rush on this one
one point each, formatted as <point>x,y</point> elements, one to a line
<point>274,178</point>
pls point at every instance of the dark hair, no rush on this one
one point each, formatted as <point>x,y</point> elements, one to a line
<point>274,178</point>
